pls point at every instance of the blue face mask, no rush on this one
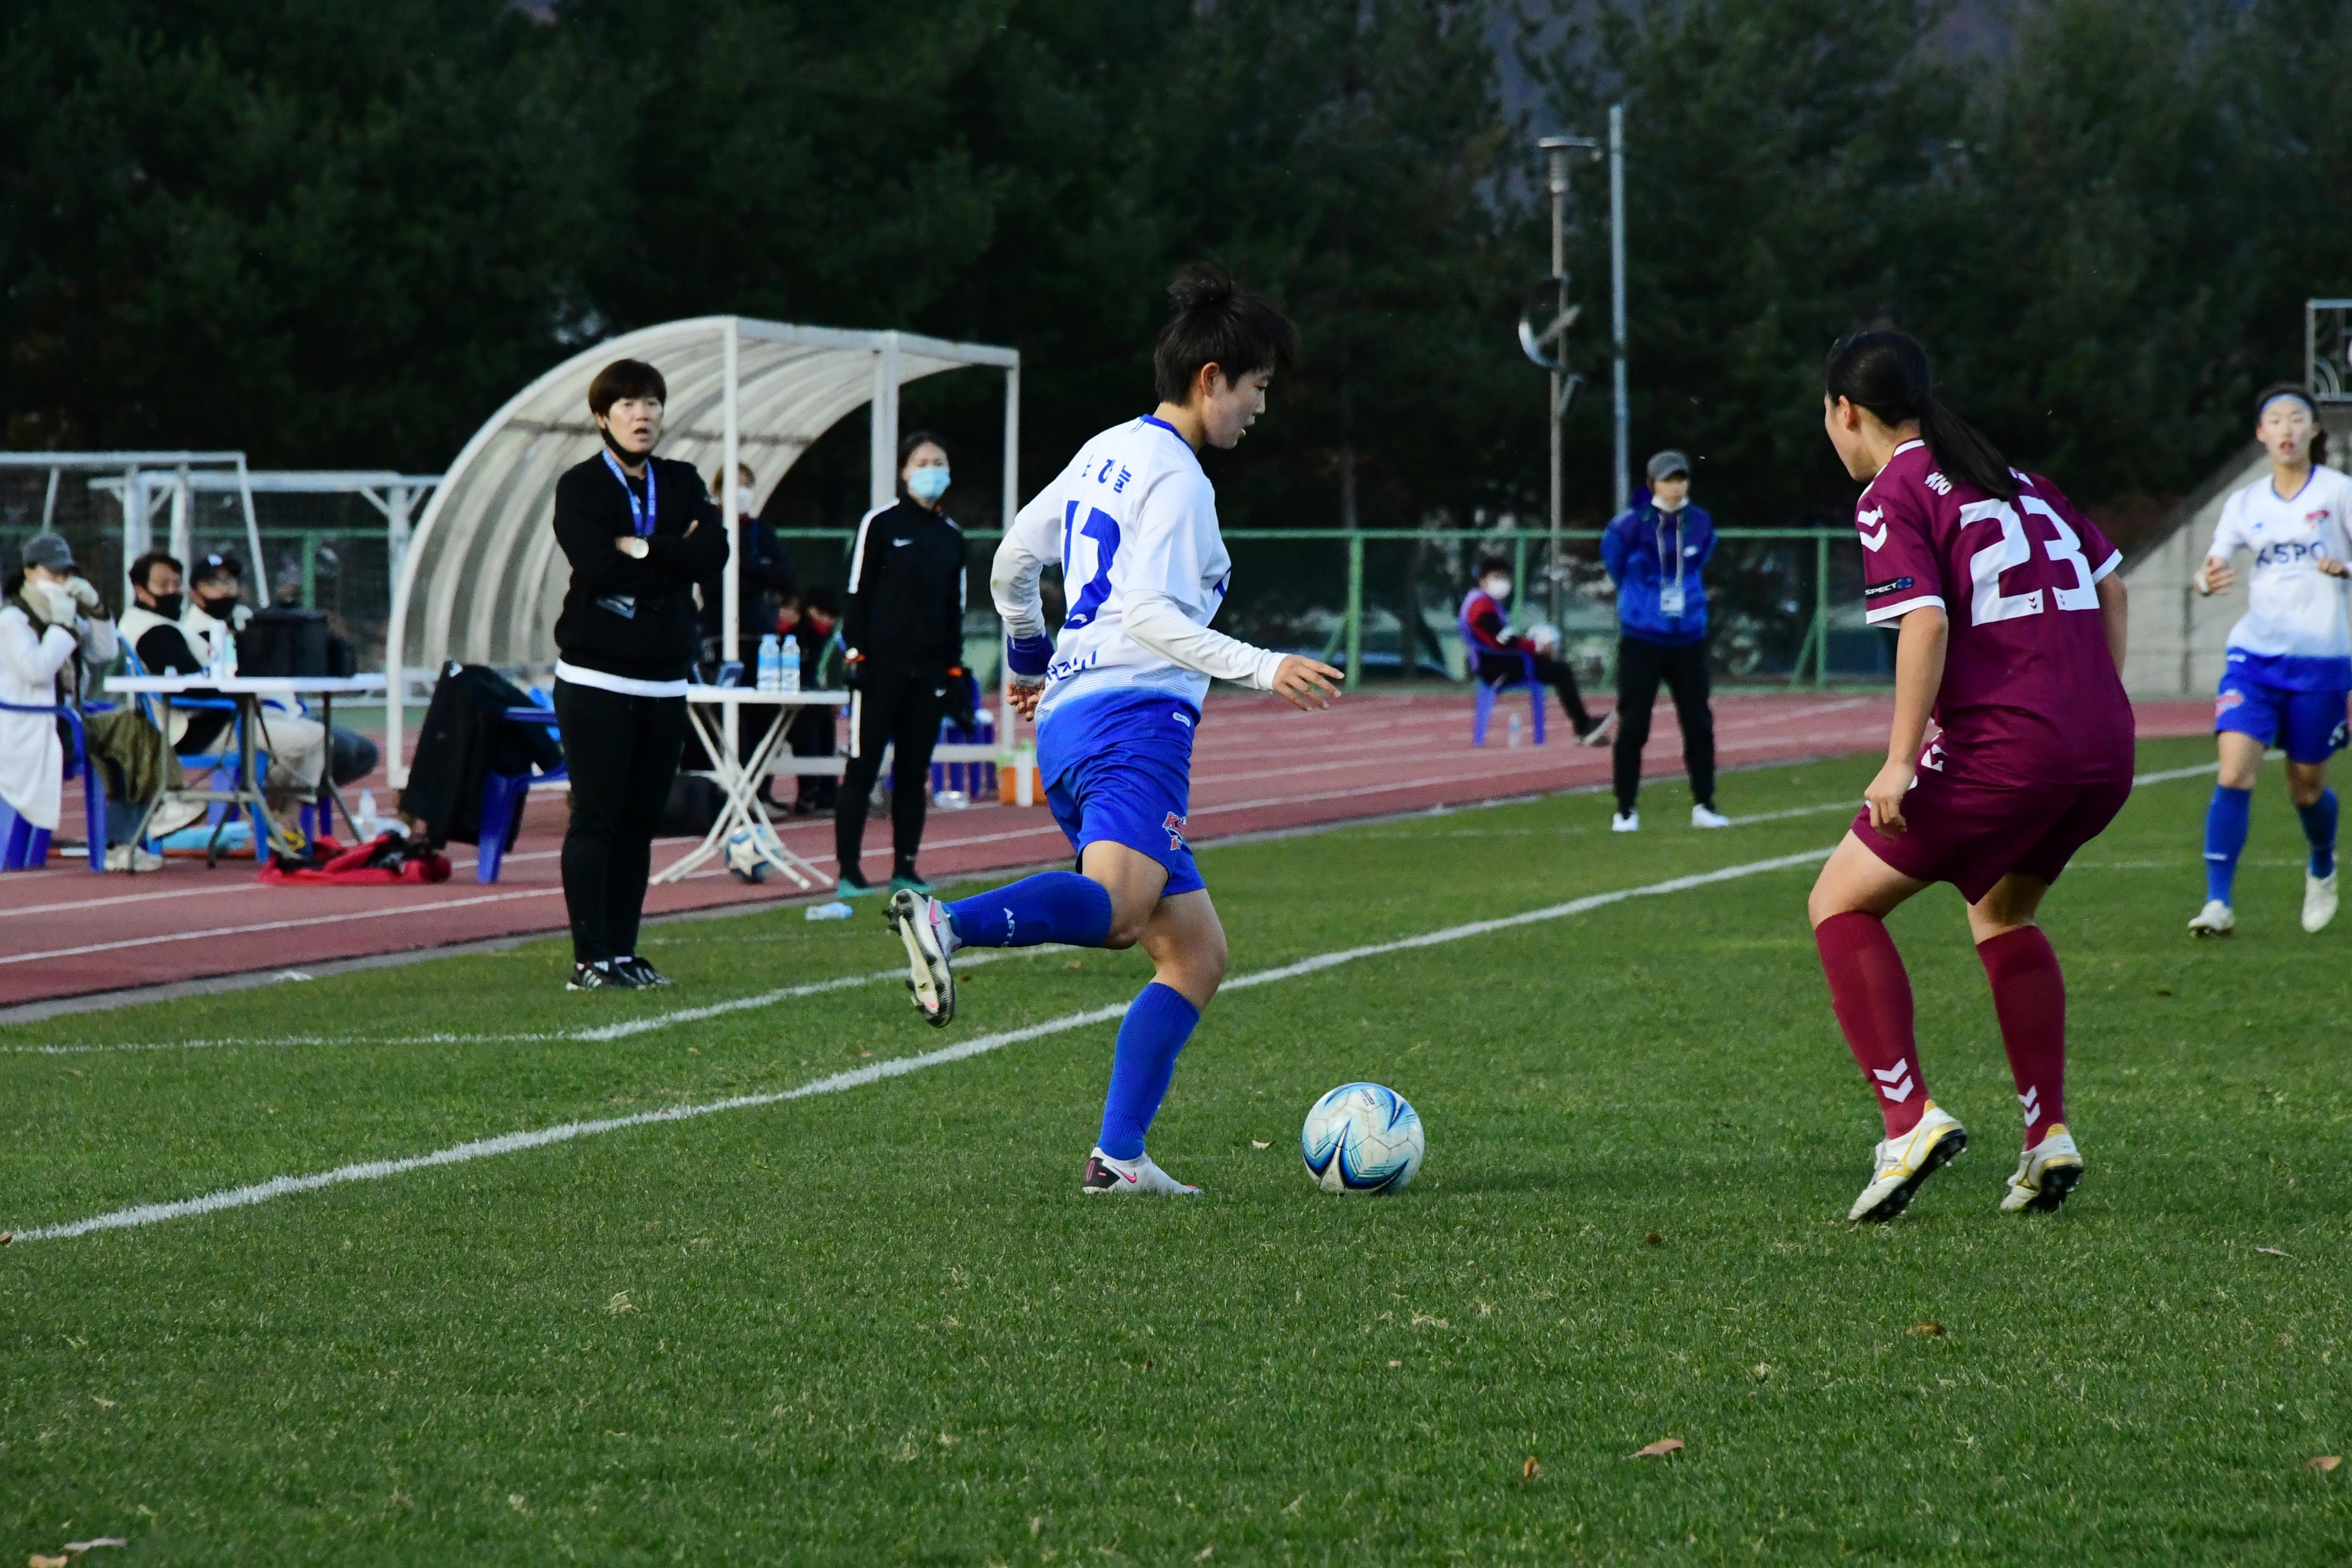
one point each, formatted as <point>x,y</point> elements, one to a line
<point>926,484</point>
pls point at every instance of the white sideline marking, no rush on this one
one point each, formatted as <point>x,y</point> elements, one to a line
<point>512,1143</point>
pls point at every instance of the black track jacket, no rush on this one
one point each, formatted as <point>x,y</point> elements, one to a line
<point>904,606</point>
<point>625,617</point>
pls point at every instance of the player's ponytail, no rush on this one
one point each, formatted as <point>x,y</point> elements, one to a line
<point>1218,322</point>
<point>1886,372</point>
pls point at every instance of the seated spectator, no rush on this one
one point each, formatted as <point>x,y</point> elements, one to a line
<point>1495,650</point>
<point>815,637</point>
<point>151,626</point>
<point>56,638</point>
<point>296,746</point>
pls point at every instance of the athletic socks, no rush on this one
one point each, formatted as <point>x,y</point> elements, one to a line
<point>2029,998</point>
<point>2225,837</point>
<point>1872,994</point>
<point>1158,1023</point>
<point>2319,826</point>
<point>1052,906</point>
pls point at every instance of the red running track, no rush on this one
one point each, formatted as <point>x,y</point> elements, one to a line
<point>1258,766</point>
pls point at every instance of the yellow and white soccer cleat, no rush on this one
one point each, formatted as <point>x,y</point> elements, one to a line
<point>2216,918</point>
<point>2318,901</point>
<point>1900,1164</point>
<point>2045,1174</point>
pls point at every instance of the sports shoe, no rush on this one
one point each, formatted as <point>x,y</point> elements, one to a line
<point>911,884</point>
<point>132,858</point>
<point>850,885</point>
<point>1708,817</point>
<point>1105,1174</point>
<point>599,976</point>
<point>1625,822</point>
<point>638,973</point>
<point>2318,901</point>
<point>1900,1164</point>
<point>916,918</point>
<point>2217,918</point>
<point>1598,733</point>
<point>2045,1174</point>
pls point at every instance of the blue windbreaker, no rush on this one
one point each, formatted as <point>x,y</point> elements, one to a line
<point>1640,550</point>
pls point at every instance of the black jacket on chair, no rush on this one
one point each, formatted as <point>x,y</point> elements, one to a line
<point>623,615</point>
<point>903,609</point>
<point>465,737</point>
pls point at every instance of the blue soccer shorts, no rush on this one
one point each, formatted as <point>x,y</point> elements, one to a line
<point>2309,724</point>
<point>1134,796</point>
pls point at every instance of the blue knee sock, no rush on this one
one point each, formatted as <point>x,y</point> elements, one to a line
<point>2225,838</point>
<point>2319,826</point>
<point>1158,1023</point>
<point>1052,906</point>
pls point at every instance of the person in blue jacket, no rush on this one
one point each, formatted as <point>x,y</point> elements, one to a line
<point>1656,554</point>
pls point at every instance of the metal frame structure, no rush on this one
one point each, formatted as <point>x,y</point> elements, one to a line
<point>2328,349</point>
<point>141,474</point>
<point>481,581</point>
<point>394,495</point>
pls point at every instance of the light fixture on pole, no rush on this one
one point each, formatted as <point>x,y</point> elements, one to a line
<point>1544,321</point>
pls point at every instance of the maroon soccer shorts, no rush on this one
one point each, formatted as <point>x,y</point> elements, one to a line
<point>1971,834</point>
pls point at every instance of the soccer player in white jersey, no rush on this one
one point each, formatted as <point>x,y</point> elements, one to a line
<point>2289,668</point>
<point>1132,523</point>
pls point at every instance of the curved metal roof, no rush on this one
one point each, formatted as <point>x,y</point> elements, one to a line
<point>482,581</point>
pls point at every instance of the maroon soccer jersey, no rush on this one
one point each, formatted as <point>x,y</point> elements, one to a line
<point>2031,694</point>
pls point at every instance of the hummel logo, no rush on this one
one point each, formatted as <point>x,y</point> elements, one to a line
<point>2032,1101</point>
<point>1174,828</point>
<point>1887,1086</point>
<point>1863,522</point>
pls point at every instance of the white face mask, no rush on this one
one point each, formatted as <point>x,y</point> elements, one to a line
<point>1496,588</point>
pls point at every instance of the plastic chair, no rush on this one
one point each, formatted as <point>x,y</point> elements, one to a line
<point>218,767</point>
<point>1489,692</point>
<point>503,794</point>
<point>976,780</point>
<point>25,847</point>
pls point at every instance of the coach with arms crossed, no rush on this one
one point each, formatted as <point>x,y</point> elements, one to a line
<point>639,531</point>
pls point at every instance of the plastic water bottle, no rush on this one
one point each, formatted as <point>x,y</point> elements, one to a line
<point>364,821</point>
<point>229,653</point>
<point>787,670</point>
<point>835,911</point>
<point>216,667</point>
<point>1512,738</point>
<point>770,667</point>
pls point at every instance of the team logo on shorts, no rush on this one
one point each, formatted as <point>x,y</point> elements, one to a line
<point>1175,828</point>
<point>2339,736</point>
<point>2227,700</point>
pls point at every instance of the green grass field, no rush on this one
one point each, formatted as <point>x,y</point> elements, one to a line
<point>883,1325</point>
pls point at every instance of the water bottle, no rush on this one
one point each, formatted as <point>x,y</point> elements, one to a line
<point>216,667</point>
<point>771,668</point>
<point>364,821</point>
<point>229,653</point>
<point>1512,739</point>
<point>787,670</point>
<point>835,911</point>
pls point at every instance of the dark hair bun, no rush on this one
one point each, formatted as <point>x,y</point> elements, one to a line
<point>1203,286</point>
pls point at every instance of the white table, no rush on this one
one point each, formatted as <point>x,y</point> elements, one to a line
<point>248,692</point>
<point>707,708</point>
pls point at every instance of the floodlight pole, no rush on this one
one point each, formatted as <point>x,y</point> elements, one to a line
<point>1556,150</point>
<point>1616,293</point>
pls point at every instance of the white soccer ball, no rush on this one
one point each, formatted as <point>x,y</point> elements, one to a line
<point>1544,638</point>
<point>743,855</point>
<point>1362,1138</point>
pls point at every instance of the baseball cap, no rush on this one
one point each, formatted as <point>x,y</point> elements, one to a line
<point>49,550</point>
<point>1665,465</point>
<point>217,565</point>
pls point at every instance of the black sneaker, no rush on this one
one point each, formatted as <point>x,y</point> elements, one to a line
<point>640,973</point>
<point>600,976</point>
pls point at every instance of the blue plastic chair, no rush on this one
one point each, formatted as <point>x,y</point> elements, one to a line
<point>25,847</point>
<point>1489,690</point>
<point>977,780</point>
<point>503,794</point>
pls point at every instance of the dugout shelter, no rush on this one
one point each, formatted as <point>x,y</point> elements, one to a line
<point>482,580</point>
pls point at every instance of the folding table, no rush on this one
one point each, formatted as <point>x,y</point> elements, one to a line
<point>707,708</point>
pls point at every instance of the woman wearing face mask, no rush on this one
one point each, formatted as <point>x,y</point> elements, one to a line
<point>902,627</point>
<point>1496,648</point>
<point>52,628</point>
<point>1656,554</point>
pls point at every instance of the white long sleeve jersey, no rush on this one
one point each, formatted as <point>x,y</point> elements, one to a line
<point>2296,622</point>
<point>1133,523</point>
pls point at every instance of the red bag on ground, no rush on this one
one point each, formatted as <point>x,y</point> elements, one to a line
<point>390,858</point>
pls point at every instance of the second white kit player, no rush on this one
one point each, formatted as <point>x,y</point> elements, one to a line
<point>1132,523</point>
<point>2288,670</point>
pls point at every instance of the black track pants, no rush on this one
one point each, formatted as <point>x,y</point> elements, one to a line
<point>1641,666</point>
<point>889,706</point>
<point>622,753</point>
<point>1551,672</point>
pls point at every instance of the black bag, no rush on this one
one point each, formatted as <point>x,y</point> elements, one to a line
<point>693,806</point>
<point>284,639</point>
<point>466,736</point>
